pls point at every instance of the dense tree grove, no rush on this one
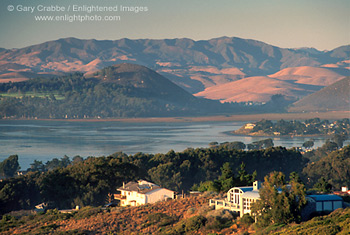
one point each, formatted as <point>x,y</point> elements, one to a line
<point>9,166</point>
<point>67,183</point>
<point>77,97</point>
<point>333,168</point>
<point>88,182</point>
<point>84,183</point>
<point>228,179</point>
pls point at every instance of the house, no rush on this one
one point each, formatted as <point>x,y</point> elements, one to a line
<point>239,199</point>
<point>344,191</point>
<point>321,204</point>
<point>249,126</point>
<point>142,192</point>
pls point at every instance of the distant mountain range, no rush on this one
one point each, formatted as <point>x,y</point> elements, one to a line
<point>202,68</point>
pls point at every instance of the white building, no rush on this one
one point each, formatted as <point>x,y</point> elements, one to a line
<point>239,199</point>
<point>142,192</point>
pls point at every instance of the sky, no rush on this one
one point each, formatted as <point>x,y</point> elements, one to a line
<point>322,24</point>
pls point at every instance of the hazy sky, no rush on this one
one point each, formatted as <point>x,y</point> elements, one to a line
<point>323,24</point>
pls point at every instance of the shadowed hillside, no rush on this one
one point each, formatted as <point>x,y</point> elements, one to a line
<point>331,98</point>
<point>123,90</point>
<point>146,81</point>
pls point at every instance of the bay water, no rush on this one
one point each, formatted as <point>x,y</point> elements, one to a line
<point>44,140</point>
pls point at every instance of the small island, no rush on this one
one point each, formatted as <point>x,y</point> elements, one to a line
<point>310,127</point>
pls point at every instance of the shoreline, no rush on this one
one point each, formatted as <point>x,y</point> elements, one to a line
<point>274,136</point>
<point>219,118</point>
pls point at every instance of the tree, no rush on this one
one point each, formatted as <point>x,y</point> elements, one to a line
<point>227,178</point>
<point>36,166</point>
<point>77,159</point>
<point>213,144</point>
<point>329,146</point>
<point>339,139</point>
<point>244,177</point>
<point>233,145</point>
<point>266,143</point>
<point>323,186</point>
<point>308,144</point>
<point>9,166</point>
<point>278,203</point>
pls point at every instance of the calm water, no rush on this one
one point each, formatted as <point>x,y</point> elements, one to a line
<point>44,140</point>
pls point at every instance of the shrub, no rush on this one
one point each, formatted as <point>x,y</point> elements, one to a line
<point>7,222</point>
<point>87,212</point>
<point>192,224</point>
<point>161,219</point>
<point>195,223</point>
<point>247,220</point>
<point>218,223</point>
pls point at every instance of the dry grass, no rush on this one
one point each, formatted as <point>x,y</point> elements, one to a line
<point>129,220</point>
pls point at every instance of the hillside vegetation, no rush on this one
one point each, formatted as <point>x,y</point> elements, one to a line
<point>181,216</point>
<point>123,90</point>
<point>88,182</point>
<point>338,222</point>
<point>189,216</point>
<point>91,182</point>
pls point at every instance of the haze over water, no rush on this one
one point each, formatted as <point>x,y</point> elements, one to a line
<point>45,140</point>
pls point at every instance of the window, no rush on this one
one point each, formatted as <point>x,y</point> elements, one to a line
<point>247,203</point>
<point>328,206</point>
<point>319,206</point>
<point>337,204</point>
<point>236,199</point>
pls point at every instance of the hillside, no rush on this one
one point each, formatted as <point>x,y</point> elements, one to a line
<point>335,223</point>
<point>163,218</point>
<point>257,89</point>
<point>193,65</point>
<point>294,83</point>
<point>311,75</point>
<point>177,216</point>
<point>331,98</point>
<point>124,90</point>
<point>334,168</point>
<point>145,80</point>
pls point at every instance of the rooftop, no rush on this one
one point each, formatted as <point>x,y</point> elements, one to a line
<point>251,194</point>
<point>141,186</point>
<point>325,197</point>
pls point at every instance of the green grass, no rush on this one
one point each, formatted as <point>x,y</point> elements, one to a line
<point>32,94</point>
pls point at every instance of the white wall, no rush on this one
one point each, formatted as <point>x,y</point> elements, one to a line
<point>159,194</point>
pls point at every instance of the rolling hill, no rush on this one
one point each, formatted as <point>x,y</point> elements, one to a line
<point>331,98</point>
<point>294,83</point>
<point>193,65</point>
<point>258,89</point>
<point>122,90</point>
<point>310,75</point>
<point>148,83</point>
